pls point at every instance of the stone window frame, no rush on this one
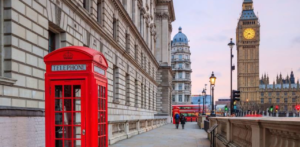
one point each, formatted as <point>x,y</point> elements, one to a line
<point>270,93</point>
<point>3,79</point>
<point>262,100</point>
<point>127,41</point>
<point>86,4</point>
<point>270,100</point>
<point>180,86</point>
<point>142,95</point>
<point>262,94</point>
<point>115,96</point>
<point>100,9</point>
<point>149,100</point>
<point>115,28</point>
<point>57,36</point>
<point>294,100</point>
<point>277,100</point>
<point>133,10</point>
<point>285,100</point>
<point>136,92</point>
<point>127,89</point>
<point>124,3</point>
<point>179,98</point>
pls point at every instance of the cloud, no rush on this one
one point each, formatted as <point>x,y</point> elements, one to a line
<point>296,40</point>
<point>216,38</point>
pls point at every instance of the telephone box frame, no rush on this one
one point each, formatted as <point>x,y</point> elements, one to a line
<point>77,63</point>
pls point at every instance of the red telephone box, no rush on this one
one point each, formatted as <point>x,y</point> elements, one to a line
<point>76,98</point>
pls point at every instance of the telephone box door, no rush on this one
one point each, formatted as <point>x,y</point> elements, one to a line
<point>68,102</point>
<point>102,113</point>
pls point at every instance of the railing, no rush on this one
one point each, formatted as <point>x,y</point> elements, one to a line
<point>181,68</point>
<point>181,79</point>
<point>181,51</point>
<point>256,132</point>
<point>185,60</point>
<point>125,129</point>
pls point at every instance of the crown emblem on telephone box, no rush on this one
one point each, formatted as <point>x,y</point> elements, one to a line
<point>68,55</point>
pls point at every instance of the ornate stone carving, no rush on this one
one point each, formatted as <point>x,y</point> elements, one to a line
<point>162,15</point>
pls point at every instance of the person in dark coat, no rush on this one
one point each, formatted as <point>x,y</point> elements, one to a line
<point>182,120</point>
<point>177,120</point>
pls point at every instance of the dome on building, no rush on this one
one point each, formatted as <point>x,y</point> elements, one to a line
<point>180,37</point>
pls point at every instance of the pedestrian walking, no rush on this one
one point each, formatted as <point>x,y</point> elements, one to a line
<point>183,120</point>
<point>177,120</point>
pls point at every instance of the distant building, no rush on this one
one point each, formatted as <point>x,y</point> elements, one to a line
<point>285,92</point>
<point>181,65</point>
<point>195,99</point>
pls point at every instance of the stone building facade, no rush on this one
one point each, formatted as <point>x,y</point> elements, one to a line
<point>181,65</point>
<point>130,33</point>
<point>285,93</point>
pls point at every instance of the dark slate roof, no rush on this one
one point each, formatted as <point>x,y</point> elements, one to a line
<point>248,1</point>
<point>248,15</point>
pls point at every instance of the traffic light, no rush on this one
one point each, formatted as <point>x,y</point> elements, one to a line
<point>298,107</point>
<point>236,95</point>
<point>271,108</point>
<point>276,108</point>
<point>226,108</point>
<point>235,98</point>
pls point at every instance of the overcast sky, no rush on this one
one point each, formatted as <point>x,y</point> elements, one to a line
<point>209,25</point>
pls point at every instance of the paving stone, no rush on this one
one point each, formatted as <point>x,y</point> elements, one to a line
<point>169,136</point>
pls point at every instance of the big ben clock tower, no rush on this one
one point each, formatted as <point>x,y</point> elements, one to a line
<point>248,38</point>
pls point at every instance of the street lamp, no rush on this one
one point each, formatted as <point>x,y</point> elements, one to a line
<point>231,45</point>
<point>204,96</point>
<point>212,82</point>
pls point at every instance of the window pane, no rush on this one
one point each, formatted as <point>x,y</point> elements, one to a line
<point>77,91</point>
<point>67,91</point>
<point>58,118</point>
<point>68,143</point>
<point>67,132</point>
<point>58,143</point>
<point>58,132</point>
<point>67,118</point>
<point>58,91</point>
<point>67,104</point>
<point>77,143</point>
<point>77,104</point>
<point>77,118</point>
<point>77,132</point>
<point>58,105</point>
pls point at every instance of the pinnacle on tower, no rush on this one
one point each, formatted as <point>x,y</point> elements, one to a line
<point>180,29</point>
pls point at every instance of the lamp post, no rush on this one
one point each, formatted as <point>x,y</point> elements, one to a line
<point>231,44</point>
<point>212,82</point>
<point>204,96</point>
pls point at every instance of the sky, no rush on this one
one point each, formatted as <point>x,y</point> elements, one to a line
<point>209,25</point>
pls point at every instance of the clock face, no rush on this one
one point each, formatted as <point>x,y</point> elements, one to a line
<point>249,33</point>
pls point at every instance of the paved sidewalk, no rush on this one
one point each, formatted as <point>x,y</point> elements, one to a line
<point>168,136</point>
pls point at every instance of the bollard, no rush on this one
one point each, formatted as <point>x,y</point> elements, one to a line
<point>277,114</point>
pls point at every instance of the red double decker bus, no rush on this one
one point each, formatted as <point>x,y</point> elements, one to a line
<point>189,111</point>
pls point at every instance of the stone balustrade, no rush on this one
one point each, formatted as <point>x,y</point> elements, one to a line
<point>125,129</point>
<point>256,131</point>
